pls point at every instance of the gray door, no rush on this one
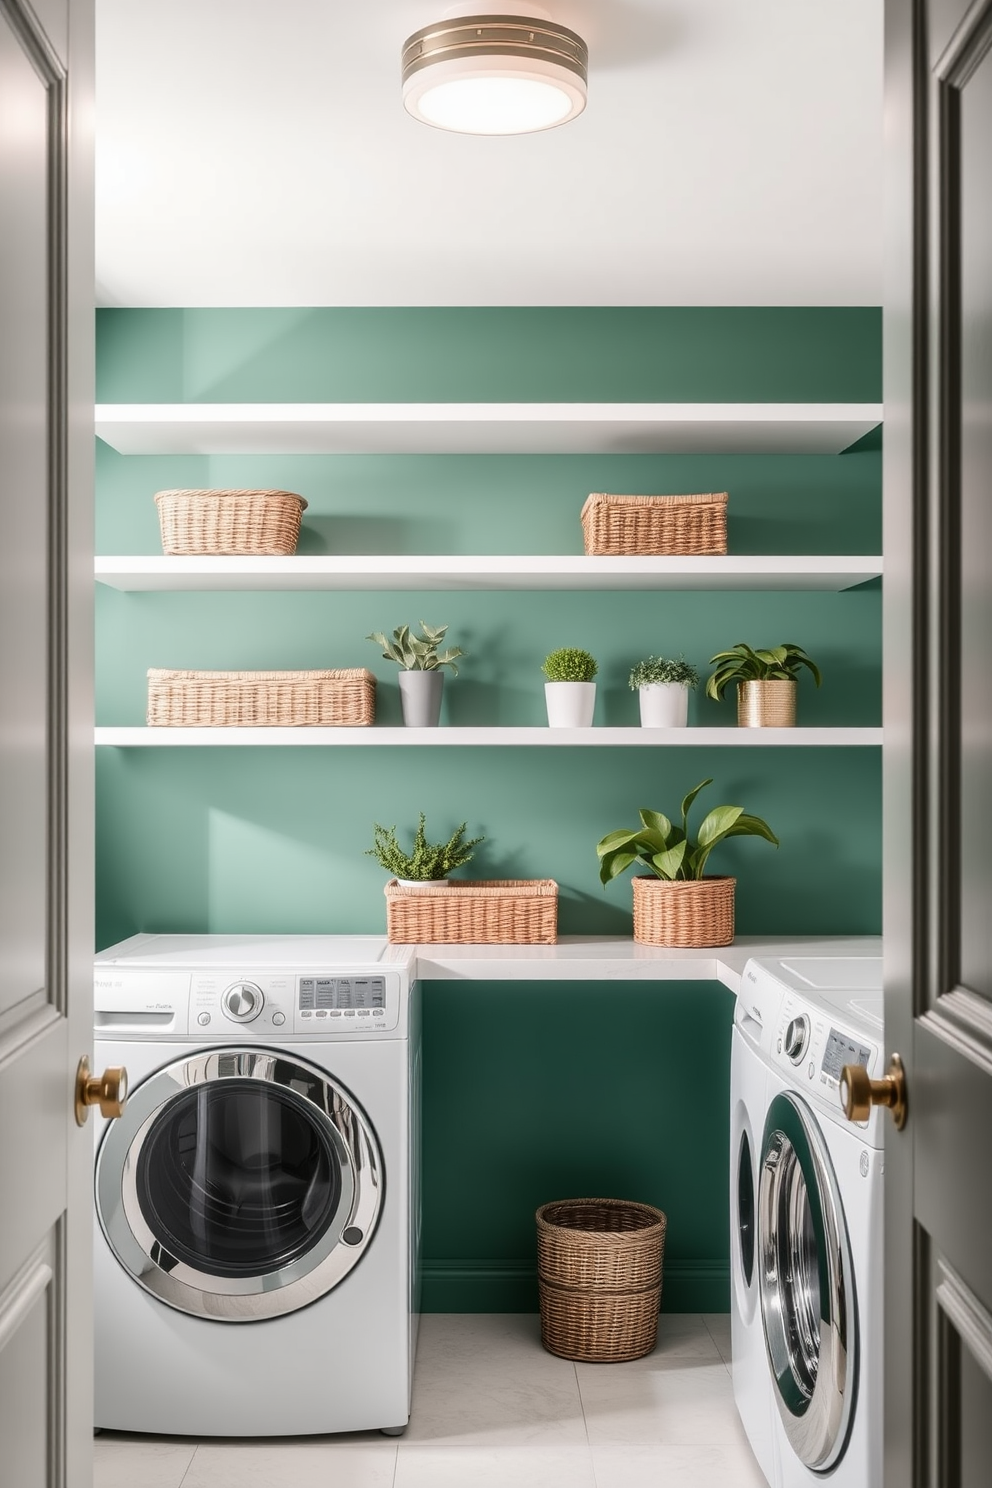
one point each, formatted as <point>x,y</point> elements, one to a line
<point>938,740</point>
<point>46,448</point>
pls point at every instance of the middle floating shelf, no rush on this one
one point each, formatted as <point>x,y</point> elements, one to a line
<point>497,572</point>
<point>171,738</point>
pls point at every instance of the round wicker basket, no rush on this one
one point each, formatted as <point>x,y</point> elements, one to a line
<point>599,1278</point>
<point>683,912</point>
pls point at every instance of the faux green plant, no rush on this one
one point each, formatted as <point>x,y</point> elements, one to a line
<point>426,860</point>
<point>667,850</point>
<point>568,664</point>
<point>743,664</point>
<point>417,653</point>
<point>663,670</point>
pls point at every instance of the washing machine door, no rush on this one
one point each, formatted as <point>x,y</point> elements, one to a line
<point>806,1282</point>
<point>239,1184</point>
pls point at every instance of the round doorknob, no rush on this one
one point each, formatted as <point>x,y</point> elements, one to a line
<point>108,1091</point>
<point>858,1092</point>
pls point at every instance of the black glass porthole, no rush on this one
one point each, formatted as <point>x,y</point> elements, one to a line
<point>746,1208</point>
<point>237,1178</point>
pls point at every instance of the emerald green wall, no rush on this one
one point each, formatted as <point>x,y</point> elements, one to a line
<point>243,840</point>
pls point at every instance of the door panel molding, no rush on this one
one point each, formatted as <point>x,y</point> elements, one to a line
<point>970,1318</point>
<point>964,1021</point>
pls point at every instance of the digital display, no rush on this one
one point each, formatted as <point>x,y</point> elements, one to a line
<point>841,1050</point>
<point>342,993</point>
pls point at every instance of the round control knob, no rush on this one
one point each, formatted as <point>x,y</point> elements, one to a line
<point>796,1035</point>
<point>242,1002</point>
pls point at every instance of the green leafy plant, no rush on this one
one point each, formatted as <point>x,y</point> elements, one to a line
<point>664,670</point>
<point>426,860</point>
<point>667,850</point>
<point>417,653</point>
<point>568,664</point>
<point>742,664</point>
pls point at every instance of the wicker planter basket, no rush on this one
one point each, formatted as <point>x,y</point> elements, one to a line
<point>599,1264</point>
<point>487,912</point>
<point>627,526</point>
<point>328,699</point>
<point>690,912</point>
<point>243,522</point>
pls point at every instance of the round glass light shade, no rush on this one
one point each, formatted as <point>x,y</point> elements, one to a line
<point>494,75</point>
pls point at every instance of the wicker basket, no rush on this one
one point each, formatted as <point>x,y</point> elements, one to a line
<point>626,526</point>
<point>501,911</point>
<point>261,522</point>
<point>329,699</point>
<point>599,1264</point>
<point>689,912</point>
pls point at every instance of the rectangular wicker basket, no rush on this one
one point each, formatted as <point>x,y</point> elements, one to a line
<point>629,526</point>
<point>233,522</point>
<point>488,912</point>
<point>328,699</point>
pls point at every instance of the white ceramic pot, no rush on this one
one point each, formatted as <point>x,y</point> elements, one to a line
<point>570,704</point>
<point>423,883</point>
<point>664,705</point>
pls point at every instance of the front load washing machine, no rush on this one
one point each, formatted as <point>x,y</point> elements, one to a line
<point>257,1203</point>
<point>819,1222</point>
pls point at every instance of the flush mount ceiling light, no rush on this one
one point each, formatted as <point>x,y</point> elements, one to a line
<point>495,74</point>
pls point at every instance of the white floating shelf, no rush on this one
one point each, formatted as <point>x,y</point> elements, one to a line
<point>502,571</point>
<point>483,428</point>
<point>171,738</point>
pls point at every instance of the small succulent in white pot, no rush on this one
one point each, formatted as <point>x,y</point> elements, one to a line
<point>570,691</point>
<point>663,684</point>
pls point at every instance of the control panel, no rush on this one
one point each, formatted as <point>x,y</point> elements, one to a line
<point>813,1046</point>
<point>307,1003</point>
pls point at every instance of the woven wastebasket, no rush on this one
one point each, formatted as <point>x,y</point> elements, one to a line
<point>599,1266</point>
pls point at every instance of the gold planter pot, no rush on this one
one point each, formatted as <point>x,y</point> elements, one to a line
<point>766,704</point>
<point>683,912</point>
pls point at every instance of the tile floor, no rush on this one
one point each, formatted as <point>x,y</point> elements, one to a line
<point>491,1409</point>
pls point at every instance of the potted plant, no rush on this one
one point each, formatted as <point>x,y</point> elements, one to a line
<point>421,678</point>
<point>676,903</point>
<point>662,684</point>
<point>427,863</point>
<point>766,682</point>
<point>570,692</point>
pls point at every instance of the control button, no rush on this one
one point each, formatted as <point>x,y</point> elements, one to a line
<point>278,1019</point>
<point>336,1013</point>
<point>380,1012</point>
<point>812,1069</point>
<point>353,1235</point>
<point>321,1012</point>
<point>796,1038</point>
<point>203,1019</point>
<point>306,1015</point>
<point>364,1012</point>
<point>242,1002</point>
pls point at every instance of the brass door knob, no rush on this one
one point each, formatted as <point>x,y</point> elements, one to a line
<point>858,1093</point>
<point>108,1091</point>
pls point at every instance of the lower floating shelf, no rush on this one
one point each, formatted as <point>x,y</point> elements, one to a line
<point>295,738</point>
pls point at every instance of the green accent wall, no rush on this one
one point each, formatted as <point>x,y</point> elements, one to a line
<point>532,1091</point>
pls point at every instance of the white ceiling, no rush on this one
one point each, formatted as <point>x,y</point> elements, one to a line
<point>252,153</point>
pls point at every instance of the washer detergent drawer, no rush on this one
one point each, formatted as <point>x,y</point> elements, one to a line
<point>239,1184</point>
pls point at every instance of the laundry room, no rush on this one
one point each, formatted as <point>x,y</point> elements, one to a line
<point>491,1079</point>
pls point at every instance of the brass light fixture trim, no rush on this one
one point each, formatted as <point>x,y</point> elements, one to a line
<point>495,35</point>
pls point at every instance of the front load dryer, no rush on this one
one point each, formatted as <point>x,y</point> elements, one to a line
<point>819,1230</point>
<point>257,1203</point>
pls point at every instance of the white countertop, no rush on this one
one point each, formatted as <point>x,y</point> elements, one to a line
<point>620,959</point>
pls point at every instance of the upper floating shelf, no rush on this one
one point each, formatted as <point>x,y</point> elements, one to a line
<point>501,571</point>
<point>483,428</point>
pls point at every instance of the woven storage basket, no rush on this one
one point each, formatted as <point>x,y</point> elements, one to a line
<point>689,912</point>
<point>599,1264</point>
<point>261,699</point>
<point>261,522</point>
<point>625,526</point>
<point>488,912</point>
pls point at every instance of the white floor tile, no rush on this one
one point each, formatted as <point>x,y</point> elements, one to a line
<point>155,1462</point>
<point>685,1335</point>
<point>718,1324</point>
<point>672,1402</point>
<point>494,1467</point>
<point>486,1380</point>
<point>687,1467</point>
<point>327,1463</point>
